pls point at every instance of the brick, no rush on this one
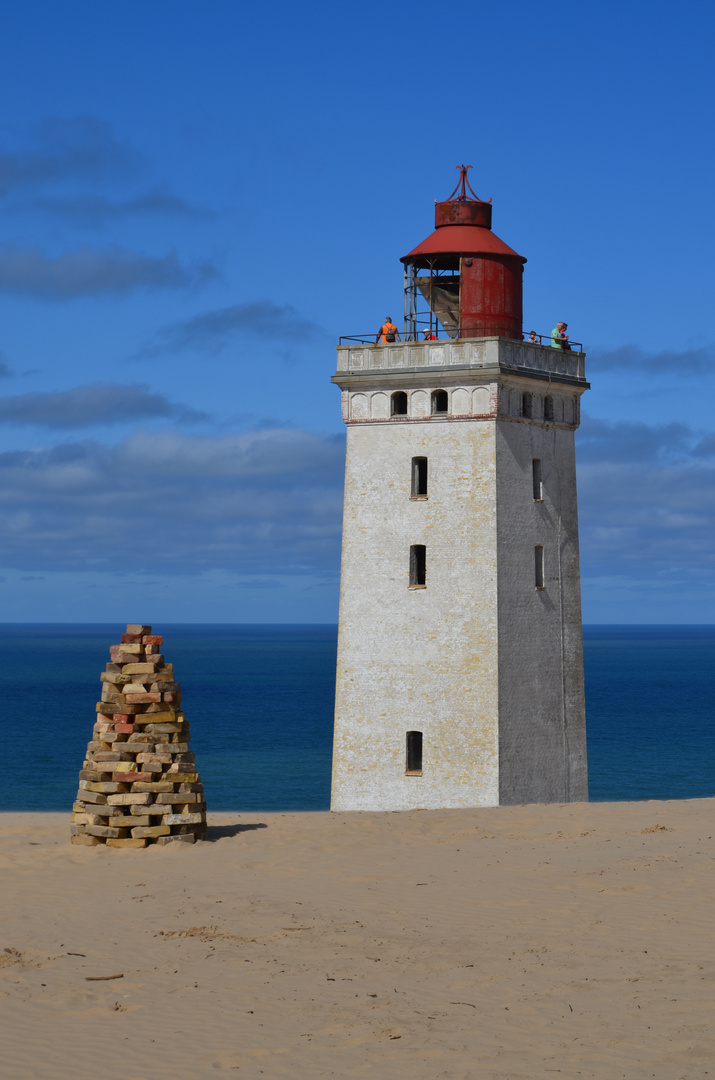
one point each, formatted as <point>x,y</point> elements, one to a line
<point>183,777</point>
<point>142,831</point>
<point>126,766</point>
<point>130,798</point>
<point>184,819</point>
<point>114,677</point>
<point>152,639</point>
<point>147,667</point>
<point>106,831</point>
<point>82,819</point>
<point>132,777</point>
<point>168,716</point>
<point>127,842</point>
<point>165,673</point>
<point>110,755</point>
<point>127,710</point>
<point>181,838</point>
<point>129,820</point>
<point>175,748</point>
<point>121,655</point>
<point>90,774</point>
<point>158,809</point>
<point>199,830</point>
<point>104,787</point>
<point>146,698</point>
<point>103,811</point>
<point>92,797</point>
<point>186,788</point>
<point>112,695</point>
<point>156,786</point>
<point>132,649</point>
<point>125,729</point>
<point>183,797</point>
<point>138,628</point>
<point>85,841</point>
<point>131,639</point>
<point>171,696</point>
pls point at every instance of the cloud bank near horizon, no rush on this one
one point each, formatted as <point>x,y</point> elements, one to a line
<point>269,502</point>
<point>262,502</point>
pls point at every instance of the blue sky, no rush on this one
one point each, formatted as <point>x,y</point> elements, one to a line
<point>196,200</point>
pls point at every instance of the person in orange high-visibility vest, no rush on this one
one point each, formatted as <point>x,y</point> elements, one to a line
<point>387,333</point>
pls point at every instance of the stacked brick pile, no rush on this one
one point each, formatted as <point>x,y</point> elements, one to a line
<point>139,784</point>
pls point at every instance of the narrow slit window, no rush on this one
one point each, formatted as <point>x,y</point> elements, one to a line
<point>419,477</point>
<point>418,566</point>
<point>536,476</point>
<point>526,405</point>
<point>440,401</point>
<point>413,752</point>
<point>548,407</point>
<point>539,566</point>
<point>398,403</point>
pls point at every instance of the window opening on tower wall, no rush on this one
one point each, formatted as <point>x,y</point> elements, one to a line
<point>398,403</point>
<point>440,401</point>
<point>419,478</point>
<point>526,405</point>
<point>536,479</point>
<point>413,753</point>
<point>539,566</point>
<point>548,407</point>
<point>418,566</point>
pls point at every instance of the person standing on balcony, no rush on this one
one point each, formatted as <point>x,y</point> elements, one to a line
<point>388,333</point>
<point>559,337</point>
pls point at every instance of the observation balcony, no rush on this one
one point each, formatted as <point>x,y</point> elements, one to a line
<point>484,356</point>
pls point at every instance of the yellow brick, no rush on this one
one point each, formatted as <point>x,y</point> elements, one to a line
<point>147,831</point>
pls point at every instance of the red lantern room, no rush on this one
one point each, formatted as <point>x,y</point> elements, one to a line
<point>469,279</point>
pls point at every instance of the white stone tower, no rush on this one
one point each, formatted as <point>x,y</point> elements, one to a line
<point>460,669</point>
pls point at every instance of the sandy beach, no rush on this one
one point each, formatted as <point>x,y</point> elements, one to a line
<point>495,944</point>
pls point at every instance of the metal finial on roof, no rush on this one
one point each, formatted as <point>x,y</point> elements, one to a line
<point>462,186</point>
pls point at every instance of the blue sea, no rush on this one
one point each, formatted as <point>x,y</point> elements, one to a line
<point>260,702</point>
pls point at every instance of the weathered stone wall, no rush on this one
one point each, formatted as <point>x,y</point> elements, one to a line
<point>418,659</point>
<point>486,665</point>
<point>542,732</point>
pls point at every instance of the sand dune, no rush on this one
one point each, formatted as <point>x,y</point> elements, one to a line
<point>495,944</point>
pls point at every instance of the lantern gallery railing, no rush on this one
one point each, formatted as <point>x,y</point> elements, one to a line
<point>363,357</point>
<point>539,339</point>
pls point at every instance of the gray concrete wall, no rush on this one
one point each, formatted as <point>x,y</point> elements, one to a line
<point>423,659</point>
<point>542,734</point>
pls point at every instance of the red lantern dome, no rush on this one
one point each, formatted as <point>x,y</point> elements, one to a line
<point>473,284</point>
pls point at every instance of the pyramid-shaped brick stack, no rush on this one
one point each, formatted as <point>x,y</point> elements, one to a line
<point>139,784</point>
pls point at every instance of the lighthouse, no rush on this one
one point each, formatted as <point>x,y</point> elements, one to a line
<point>460,665</point>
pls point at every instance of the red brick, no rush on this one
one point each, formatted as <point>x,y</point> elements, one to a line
<point>135,699</point>
<point>152,639</point>
<point>121,718</point>
<point>126,729</point>
<point>132,777</point>
<point>134,639</point>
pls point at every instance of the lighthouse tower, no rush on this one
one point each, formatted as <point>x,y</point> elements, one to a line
<point>460,669</point>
